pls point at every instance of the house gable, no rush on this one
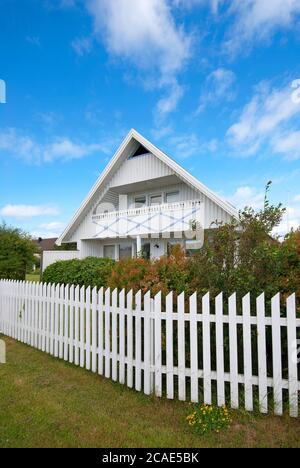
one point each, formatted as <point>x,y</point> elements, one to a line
<point>136,162</point>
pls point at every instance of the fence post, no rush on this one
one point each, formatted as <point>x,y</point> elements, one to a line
<point>152,346</point>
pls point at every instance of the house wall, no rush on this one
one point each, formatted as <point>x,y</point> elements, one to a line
<point>143,168</point>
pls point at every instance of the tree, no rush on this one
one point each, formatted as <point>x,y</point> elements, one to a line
<point>243,255</point>
<point>16,253</point>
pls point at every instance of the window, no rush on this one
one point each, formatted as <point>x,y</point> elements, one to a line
<point>125,251</point>
<point>109,251</point>
<point>155,200</point>
<point>139,202</point>
<point>172,197</point>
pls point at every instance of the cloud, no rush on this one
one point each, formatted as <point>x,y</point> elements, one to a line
<point>169,103</point>
<point>268,119</point>
<point>290,220</point>
<point>34,40</point>
<point>247,196</point>
<point>255,21</point>
<point>188,145</point>
<point>12,141</point>
<point>146,35</point>
<point>82,45</point>
<point>28,211</point>
<point>213,4</point>
<point>218,87</point>
<point>46,230</point>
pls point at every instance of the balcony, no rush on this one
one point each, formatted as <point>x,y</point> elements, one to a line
<point>158,219</point>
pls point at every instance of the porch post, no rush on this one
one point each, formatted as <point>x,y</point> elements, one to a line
<point>138,245</point>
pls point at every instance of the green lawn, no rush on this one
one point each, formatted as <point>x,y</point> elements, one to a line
<point>35,277</point>
<point>45,402</point>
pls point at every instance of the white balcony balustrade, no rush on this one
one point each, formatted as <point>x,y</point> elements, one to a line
<point>158,219</point>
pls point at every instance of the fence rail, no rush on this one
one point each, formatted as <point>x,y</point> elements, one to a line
<point>190,349</point>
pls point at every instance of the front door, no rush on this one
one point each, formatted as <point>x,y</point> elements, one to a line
<point>125,250</point>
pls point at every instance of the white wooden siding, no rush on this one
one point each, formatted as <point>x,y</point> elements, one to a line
<point>140,168</point>
<point>52,256</point>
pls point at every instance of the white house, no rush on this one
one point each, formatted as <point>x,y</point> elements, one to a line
<point>142,202</point>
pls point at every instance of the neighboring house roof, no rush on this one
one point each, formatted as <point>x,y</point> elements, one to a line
<point>134,136</point>
<point>45,244</point>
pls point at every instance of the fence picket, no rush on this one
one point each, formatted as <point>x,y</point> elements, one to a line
<point>181,348</point>
<point>247,353</point>
<point>107,333</point>
<point>276,347</point>
<point>56,318</point>
<point>88,328</point>
<point>76,325</point>
<point>114,343</point>
<point>206,349</point>
<point>233,354</point>
<point>122,337</point>
<point>100,331</point>
<point>82,327</point>
<point>262,362</point>
<point>94,329</point>
<point>71,316</point>
<point>169,345</point>
<point>147,344</point>
<point>129,341</point>
<point>220,350</point>
<point>292,355</point>
<point>138,344</point>
<point>194,348</point>
<point>66,323</point>
<point>157,344</point>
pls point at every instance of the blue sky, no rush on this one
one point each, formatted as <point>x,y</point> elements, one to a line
<point>214,83</point>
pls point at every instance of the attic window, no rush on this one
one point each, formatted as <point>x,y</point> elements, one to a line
<point>140,151</point>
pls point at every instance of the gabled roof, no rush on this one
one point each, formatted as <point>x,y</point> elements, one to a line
<point>134,136</point>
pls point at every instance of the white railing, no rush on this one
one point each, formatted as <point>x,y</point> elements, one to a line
<point>169,217</point>
<point>200,349</point>
<point>148,209</point>
<point>52,256</point>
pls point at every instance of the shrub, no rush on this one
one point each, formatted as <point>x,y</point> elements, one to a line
<point>16,253</point>
<point>165,274</point>
<point>90,271</point>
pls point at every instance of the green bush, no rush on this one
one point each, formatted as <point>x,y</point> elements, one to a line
<point>90,271</point>
<point>16,253</point>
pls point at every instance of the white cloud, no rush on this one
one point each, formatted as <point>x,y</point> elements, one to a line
<point>290,220</point>
<point>247,196</point>
<point>82,45</point>
<point>28,211</point>
<point>252,197</point>
<point>12,141</point>
<point>218,87</point>
<point>258,20</point>
<point>55,225</point>
<point>145,34</point>
<point>185,146</point>
<point>268,119</point>
<point>213,4</point>
<point>169,103</point>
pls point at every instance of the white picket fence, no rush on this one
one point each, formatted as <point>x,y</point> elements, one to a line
<point>181,351</point>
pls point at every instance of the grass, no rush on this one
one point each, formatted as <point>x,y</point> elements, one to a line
<point>45,402</point>
<point>35,277</point>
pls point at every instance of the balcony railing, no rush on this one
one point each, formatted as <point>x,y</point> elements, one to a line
<point>168,217</point>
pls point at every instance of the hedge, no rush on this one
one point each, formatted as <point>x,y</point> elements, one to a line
<point>90,271</point>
